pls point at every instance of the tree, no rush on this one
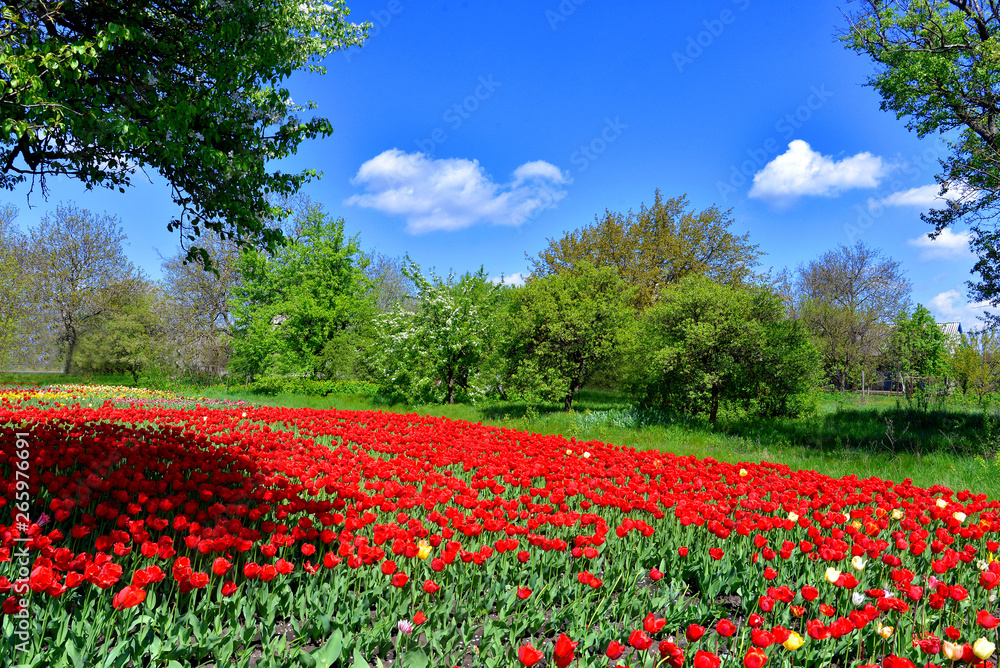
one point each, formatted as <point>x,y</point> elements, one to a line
<point>975,363</point>
<point>937,68</point>
<point>564,327</point>
<point>98,90</point>
<point>705,344</point>
<point>917,346</point>
<point>390,284</point>
<point>129,338</point>
<point>79,272</point>
<point>197,304</point>
<point>291,305</point>
<point>437,353</point>
<point>656,247</point>
<point>847,299</point>
<point>13,283</point>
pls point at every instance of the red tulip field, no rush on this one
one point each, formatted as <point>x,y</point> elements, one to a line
<point>142,534</point>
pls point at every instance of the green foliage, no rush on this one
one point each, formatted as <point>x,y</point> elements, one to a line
<point>437,353</point>
<point>290,306</point>
<point>128,338</point>
<point>847,299</point>
<point>191,89</point>
<point>917,346</point>
<point>656,247</point>
<point>564,327</point>
<point>79,274</point>
<point>13,284</point>
<point>275,385</point>
<point>705,343</point>
<point>975,364</point>
<point>937,67</point>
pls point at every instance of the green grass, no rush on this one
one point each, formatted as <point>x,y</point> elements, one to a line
<point>874,437</point>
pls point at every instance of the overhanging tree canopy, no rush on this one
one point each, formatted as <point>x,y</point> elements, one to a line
<point>939,63</point>
<point>96,90</point>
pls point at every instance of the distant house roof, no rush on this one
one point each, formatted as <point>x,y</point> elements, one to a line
<point>951,328</point>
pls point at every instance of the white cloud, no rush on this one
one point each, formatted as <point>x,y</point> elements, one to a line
<point>516,279</point>
<point>454,193</point>
<point>802,171</point>
<point>922,197</point>
<point>950,307</point>
<point>947,246</point>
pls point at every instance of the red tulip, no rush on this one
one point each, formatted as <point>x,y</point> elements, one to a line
<point>639,640</point>
<point>563,651</point>
<point>128,597</point>
<point>725,628</point>
<point>694,632</point>
<point>615,650</point>
<point>528,655</point>
<point>755,658</point>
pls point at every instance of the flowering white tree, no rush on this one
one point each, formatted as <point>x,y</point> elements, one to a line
<point>437,353</point>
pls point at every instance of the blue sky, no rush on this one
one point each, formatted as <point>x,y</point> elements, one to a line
<point>467,133</point>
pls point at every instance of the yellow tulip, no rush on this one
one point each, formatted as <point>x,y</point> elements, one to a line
<point>982,648</point>
<point>423,549</point>
<point>793,642</point>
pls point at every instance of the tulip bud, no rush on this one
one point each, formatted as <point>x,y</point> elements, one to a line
<point>858,564</point>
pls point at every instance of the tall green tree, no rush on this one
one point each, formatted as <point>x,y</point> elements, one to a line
<point>917,346</point>
<point>705,344</point>
<point>656,247</point>
<point>437,353</point>
<point>194,90</point>
<point>937,67</point>
<point>291,305</point>
<point>975,363</point>
<point>564,327</point>
<point>79,272</point>
<point>129,338</point>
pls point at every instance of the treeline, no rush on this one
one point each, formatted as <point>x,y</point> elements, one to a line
<point>665,304</point>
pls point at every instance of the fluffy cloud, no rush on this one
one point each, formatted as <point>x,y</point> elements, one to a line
<point>922,197</point>
<point>454,193</point>
<point>802,171</point>
<point>948,245</point>
<point>950,307</point>
<point>516,279</point>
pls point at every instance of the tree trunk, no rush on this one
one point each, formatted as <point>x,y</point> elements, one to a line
<point>714,410</point>
<point>70,348</point>
<point>451,389</point>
